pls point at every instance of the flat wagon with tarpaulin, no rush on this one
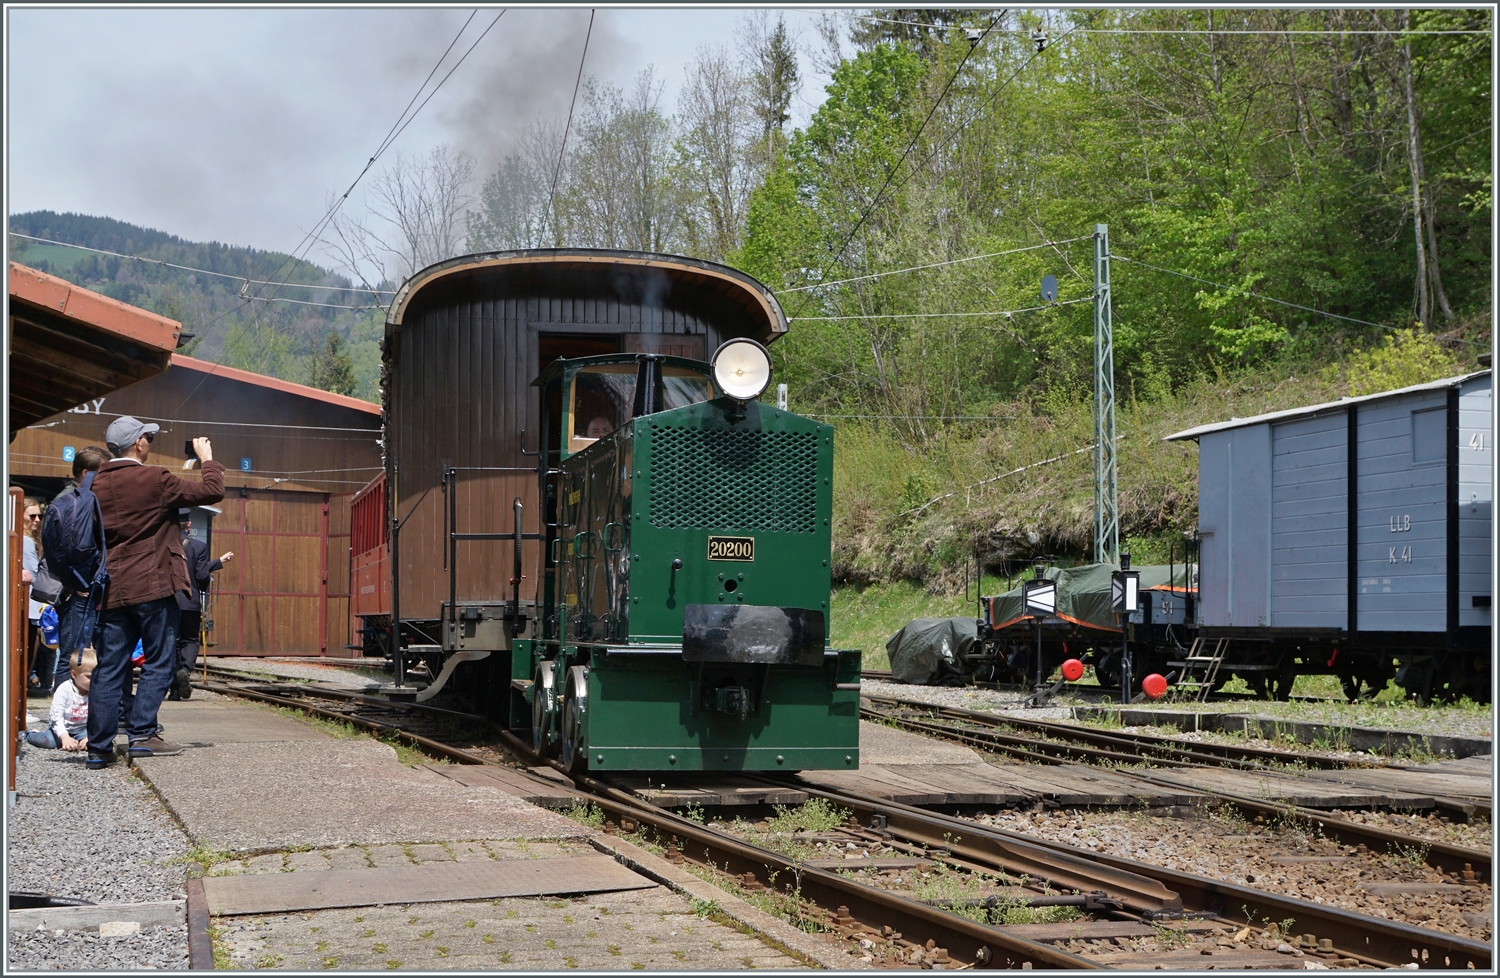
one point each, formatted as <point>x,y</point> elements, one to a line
<point>1352,538</point>
<point>1085,626</point>
<point>595,530</point>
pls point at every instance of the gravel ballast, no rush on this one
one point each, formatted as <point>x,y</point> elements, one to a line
<point>101,836</point>
<point>156,948</point>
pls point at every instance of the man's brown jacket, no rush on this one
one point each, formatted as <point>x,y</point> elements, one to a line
<point>140,504</point>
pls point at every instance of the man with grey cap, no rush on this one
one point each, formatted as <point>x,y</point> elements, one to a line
<point>146,569</point>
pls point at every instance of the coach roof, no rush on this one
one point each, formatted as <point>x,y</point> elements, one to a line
<point>1313,409</point>
<point>757,301</point>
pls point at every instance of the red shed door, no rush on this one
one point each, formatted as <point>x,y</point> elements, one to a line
<point>272,599</point>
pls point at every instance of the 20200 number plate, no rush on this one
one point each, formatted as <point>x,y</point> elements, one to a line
<point>731,548</point>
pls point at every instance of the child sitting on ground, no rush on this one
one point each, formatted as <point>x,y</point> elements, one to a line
<point>68,724</point>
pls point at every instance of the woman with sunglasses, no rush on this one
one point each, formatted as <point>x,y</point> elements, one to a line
<point>39,681</point>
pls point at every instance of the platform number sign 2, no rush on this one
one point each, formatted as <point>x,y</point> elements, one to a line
<point>244,465</point>
<point>68,453</point>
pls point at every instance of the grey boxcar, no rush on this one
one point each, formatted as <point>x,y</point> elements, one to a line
<point>1352,538</point>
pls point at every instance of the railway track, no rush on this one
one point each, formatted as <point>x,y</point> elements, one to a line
<point>1095,691</point>
<point>896,929</point>
<point>1043,742</point>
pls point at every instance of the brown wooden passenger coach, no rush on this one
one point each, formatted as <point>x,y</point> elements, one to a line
<point>464,340</point>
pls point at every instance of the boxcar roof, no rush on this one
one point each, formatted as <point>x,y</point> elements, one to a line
<point>734,285</point>
<point>1318,408</point>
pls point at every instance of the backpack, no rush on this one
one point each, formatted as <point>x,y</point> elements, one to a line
<point>73,538</point>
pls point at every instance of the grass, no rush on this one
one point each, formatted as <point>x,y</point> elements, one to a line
<point>865,617</point>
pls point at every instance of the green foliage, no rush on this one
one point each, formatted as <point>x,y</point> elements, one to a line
<point>1405,357</point>
<point>332,368</point>
<point>815,815</point>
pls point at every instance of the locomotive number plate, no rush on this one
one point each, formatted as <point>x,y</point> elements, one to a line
<point>731,548</point>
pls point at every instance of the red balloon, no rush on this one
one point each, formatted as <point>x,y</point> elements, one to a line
<point>1154,686</point>
<point>1072,670</point>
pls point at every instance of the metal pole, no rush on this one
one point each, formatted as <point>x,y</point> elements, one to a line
<point>396,601</point>
<point>1038,655</point>
<point>452,495</point>
<point>1125,677</point>
<point>1106,490</point>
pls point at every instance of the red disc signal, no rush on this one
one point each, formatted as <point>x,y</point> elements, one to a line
<point>1154,686</point>
<point>1072,670</point>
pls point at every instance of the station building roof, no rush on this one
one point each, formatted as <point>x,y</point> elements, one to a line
<point>269,433</point>
<point>69,345</point>
<point>1312,409</point>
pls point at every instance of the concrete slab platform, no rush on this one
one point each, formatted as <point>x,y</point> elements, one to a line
<point>261,781</point>
<point>203,721</point>
<point>263,893</point>
<point>277,795</point>
<point>646,930</point>
<point>882,745</point>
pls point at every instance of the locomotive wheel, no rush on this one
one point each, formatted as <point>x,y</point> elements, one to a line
<point>543,710</point>
<point>575,749</point>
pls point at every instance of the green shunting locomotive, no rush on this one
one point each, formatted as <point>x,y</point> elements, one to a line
<point>683,609</point>
<point>647,590</point>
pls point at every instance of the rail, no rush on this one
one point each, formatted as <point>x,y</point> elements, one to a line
<point>1143,892</point>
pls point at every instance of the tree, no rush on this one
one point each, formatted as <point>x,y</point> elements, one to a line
<point>771,60</point>
<point>619,192</point>
<point>716,162</point>
<point>331,368</point>
<point>514,202</point>
<point>417,216</point>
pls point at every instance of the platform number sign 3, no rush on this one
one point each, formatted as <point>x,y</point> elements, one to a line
<point>244,465</point>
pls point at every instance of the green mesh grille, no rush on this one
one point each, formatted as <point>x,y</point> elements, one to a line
<point>734,480</point>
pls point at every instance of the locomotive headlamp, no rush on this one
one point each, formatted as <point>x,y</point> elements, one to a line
<point>742,369</point>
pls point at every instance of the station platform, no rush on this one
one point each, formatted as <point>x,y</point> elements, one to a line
<point>302,847</point>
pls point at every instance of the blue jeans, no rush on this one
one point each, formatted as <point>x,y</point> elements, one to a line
<point>154,623</point>
<point>75,630</point>
<point>46,739</point>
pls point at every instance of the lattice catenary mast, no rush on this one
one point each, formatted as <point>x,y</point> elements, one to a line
<point>1106,488</point>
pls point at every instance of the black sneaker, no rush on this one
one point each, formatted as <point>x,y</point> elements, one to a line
<point>154,746</point>
<point>184,685</point>
<point>98,760</point>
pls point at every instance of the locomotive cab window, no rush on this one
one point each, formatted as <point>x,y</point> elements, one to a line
<point>600,397</point>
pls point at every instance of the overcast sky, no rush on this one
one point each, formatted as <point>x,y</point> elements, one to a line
<point>238,125</point>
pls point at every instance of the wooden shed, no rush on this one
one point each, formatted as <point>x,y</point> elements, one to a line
<point>1366,518</point>
<point>294,457</point>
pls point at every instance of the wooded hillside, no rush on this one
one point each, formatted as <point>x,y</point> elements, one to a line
<point>1298,203</point>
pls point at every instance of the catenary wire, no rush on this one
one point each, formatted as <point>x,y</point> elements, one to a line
<point>233,424</point>
<point>936,264</point>
<point>993,95</point>
<point>891,173</point>
<point>567,128</point>
<point>200,271</point>
<point>1110,30</point>
<point>396,129</point>
<point>1244,291</point>
<point>937,315</point>
<point>318,231</point>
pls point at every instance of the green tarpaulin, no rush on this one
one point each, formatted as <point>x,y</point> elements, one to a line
<point>930,651</point>
<point>1083,594</point>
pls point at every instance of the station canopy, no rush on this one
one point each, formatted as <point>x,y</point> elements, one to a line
<point>69,345</point>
